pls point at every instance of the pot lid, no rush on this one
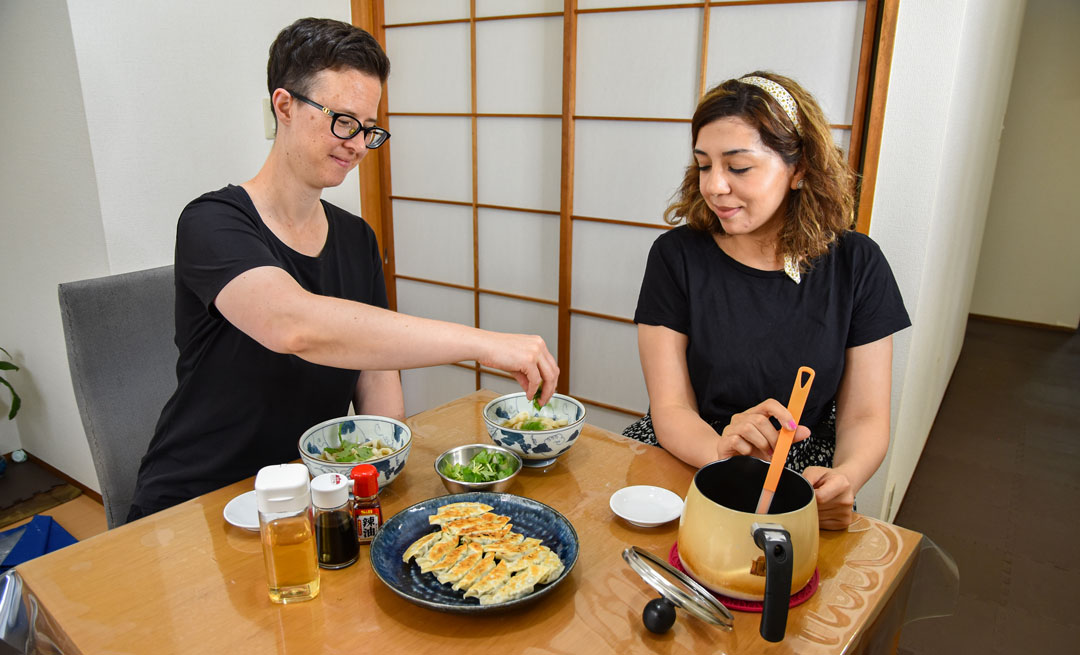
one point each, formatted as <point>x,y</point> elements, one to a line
<point>678,588</point>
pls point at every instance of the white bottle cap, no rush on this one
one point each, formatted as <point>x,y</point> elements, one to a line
<point>282,488</point>
<point>329,490</point>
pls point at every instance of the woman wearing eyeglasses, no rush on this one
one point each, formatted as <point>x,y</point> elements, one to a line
<point>767,276</point>
<point>281,308</point>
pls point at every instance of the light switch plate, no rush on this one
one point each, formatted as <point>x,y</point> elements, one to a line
<point>269,125</point>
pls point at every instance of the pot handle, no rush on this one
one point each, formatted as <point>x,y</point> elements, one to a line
<point>775,541</point>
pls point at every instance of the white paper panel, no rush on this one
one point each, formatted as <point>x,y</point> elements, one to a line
<point>518,162</point>
<point>609,420</point>
<point>431,157</point>
<point>520,317</point>
<point>604,363</point>
<point>842,138</point>
<point>604,4</point>
<point>433,241</point>
<point>519,253</point>
<point>511,7</point>
<point>429,57</point>
<point>519,66</point>
<point>815,43</point>
<point>425,388</point>
<point>415,11</point>
<point>433,301</point>
<point>628,170</point>
<point>639,63</point>
<point>609,262</point>
<point>498,384</point>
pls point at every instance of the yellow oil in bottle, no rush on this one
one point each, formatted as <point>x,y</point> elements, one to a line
<point>292,567</point>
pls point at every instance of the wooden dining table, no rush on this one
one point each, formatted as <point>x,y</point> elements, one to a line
<point>184,580</point>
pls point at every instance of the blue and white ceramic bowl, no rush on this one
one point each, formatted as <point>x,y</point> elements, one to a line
<point>328,434</point>
<point>540,447</point>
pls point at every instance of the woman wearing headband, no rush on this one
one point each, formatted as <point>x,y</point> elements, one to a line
<point>767,276</point>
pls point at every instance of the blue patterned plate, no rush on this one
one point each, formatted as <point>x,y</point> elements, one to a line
<point>529,517</point>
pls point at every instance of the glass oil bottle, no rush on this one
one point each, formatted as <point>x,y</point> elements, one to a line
<point>287,532</point>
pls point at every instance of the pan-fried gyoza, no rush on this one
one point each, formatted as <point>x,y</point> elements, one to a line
<point>477,553</point>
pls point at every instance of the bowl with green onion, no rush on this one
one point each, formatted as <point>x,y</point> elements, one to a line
<point>338,445</point>
<point>537,434</point>
<point>477,467</point>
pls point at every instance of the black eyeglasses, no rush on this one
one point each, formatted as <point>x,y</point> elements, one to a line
<point>344,126</point>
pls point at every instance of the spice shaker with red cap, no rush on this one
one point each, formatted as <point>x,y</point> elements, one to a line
<point>366,507</point>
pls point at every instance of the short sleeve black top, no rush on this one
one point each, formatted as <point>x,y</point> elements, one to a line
<point>750,330</point>
<point>239,406</point>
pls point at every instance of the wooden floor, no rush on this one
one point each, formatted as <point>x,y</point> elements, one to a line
<point>998,487</point>
<point>82,517</point>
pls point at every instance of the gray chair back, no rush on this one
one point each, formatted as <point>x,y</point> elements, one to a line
<point>119,332</point>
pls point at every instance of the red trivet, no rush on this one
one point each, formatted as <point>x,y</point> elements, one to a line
<point>797,598</point>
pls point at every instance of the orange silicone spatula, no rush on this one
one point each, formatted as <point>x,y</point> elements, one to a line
<point>783,442</point>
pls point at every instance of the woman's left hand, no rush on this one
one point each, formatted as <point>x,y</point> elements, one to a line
<point>835,497</point>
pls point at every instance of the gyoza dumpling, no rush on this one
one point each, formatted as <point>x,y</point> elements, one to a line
<point>473,554</point>
<point>438,550</point>
<point>496,578</point>
<point>452,558</point>
<point>475,524</point>
<point>475,573</point>
<point>520,585</point>
<point>537,557</point>
<point>555,568</point>
<point>455,511</point>
<point>512,539</point>
<point>420,546</point>
<point>484,538</point>
<point>515,552</point>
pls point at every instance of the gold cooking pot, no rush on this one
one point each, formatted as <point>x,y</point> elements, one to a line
<point>731,550</point>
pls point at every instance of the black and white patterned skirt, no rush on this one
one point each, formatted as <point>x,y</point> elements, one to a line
<point>816,450</point>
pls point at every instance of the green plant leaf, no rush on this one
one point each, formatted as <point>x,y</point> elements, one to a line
<point>16,402</point>
<point>8,366</point>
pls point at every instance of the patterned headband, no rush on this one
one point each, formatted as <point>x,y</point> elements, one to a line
<point>779,94</point>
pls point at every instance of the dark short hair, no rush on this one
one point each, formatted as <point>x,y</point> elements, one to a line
<point>311,45</point>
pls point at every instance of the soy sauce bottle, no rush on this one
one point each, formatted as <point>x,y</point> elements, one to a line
<point>366,507</point>
<point>335,528</point>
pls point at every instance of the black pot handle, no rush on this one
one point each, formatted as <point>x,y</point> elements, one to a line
<point>775,541</point>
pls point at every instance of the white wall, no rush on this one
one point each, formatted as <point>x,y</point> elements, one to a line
<point>50,225</point>
<point>951,72</point>
<point>1028,268</point>
<point>157,102</point>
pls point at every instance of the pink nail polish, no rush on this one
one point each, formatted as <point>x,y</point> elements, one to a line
<point>791,425</point>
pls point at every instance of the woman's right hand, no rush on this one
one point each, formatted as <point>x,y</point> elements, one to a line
<point>752,433</point>
<point>527,358</point>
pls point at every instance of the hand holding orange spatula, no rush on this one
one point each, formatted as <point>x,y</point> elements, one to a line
<point>783,442</point>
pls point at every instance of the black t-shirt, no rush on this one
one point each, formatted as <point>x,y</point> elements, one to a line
<point>239,406</point>
<point>750,330</point>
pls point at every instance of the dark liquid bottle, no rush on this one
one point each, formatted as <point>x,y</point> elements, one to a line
<point>336,539</point>
<point>335,528</point>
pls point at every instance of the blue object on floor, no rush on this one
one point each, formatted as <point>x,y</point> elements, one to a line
<point>41,535</point>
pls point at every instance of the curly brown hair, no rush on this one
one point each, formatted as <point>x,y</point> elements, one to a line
<point>817,213</point>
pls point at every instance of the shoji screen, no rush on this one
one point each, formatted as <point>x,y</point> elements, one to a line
<point>474,105</point>
<point>526,194</point>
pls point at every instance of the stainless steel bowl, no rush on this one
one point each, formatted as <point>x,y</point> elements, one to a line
<point>463,455</point>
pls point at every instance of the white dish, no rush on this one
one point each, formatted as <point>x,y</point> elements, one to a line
<point>646,506</point>
<point>243,512</point>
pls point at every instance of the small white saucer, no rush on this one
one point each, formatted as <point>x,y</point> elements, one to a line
<point>243,512</point>
<point>646,506</point>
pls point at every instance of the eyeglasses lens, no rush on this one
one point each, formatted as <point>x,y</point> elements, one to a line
<point>375,137</point>
<point>344,127</point>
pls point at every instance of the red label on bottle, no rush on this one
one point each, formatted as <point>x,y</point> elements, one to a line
<point>368,522</point>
